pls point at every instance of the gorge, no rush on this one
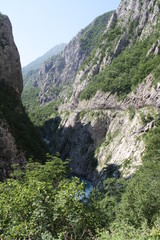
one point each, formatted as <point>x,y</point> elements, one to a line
<point>93,102</point>
<point>90,108</point>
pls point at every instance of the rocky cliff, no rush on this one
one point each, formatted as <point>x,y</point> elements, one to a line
<point>105,133</point>
<point>10,67</point>
<point>142,14</point>
<point>133,22</point>
<point>17,133</point>
<point>115,96</point>
<point>61,71</point>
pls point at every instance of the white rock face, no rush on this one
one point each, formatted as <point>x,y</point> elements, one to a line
<point>61,71</point>
<point>145,12</point>
<point>102,127</point>
<point>123,144</point>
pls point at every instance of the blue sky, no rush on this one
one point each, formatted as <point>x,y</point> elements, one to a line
<point>39,25</point>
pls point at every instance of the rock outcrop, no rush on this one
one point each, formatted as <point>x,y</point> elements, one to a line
<point>16,130</point>
<point>10,81</point>
<point>10,67</point>
<point>141,14</point>
<point>146,94</point>
<point>61,71</point>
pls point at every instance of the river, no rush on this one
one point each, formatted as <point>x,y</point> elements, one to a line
<point>88,184</point>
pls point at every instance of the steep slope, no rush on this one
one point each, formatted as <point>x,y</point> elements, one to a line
<point>36,64</point>
<point>62,70</point>
<point>115,93</point>
<point>55,78</point>
<point>18,137</point>
<point>124,59</point>
<point>30,74</point>
<point>33,67</point>
<point>127,30</point>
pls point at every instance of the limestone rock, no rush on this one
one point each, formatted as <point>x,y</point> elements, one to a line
<point>62,70</point>
<point>141,13</point>
<point>101,126</point>
<point>10,67</point>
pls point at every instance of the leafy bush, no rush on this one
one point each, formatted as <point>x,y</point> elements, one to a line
<point>42,201</point>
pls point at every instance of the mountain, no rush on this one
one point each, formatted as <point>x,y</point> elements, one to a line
<point>60,71</point>
<point>32,68</point>
<point>36,64</point>
<point>101,94</point>
<point>18,137</point>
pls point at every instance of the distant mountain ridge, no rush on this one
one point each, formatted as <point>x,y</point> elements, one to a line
<point>36,64</point>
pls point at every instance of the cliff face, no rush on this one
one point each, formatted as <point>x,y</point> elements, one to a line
<point>143,14</point>
<point>133,22</point>
<point>9,153</point>
<point>61,71</point>
<point>105,133</point>
<point>10,80</point>
<point>115,96</point>
<point>10,67</point>
<point>17,133</point>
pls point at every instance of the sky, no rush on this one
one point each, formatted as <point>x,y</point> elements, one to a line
<point>39,25</point>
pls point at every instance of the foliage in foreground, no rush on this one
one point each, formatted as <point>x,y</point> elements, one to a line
<point>41,202</point>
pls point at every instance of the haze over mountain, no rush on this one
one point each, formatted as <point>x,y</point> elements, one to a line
<point>36,64</point>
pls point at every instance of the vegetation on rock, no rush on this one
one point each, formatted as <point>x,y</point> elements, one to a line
<point>126,71</point>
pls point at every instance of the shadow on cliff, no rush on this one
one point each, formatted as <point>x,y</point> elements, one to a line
<point>109,171</point>
<point>76,144</point>
<point>14,117</point>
